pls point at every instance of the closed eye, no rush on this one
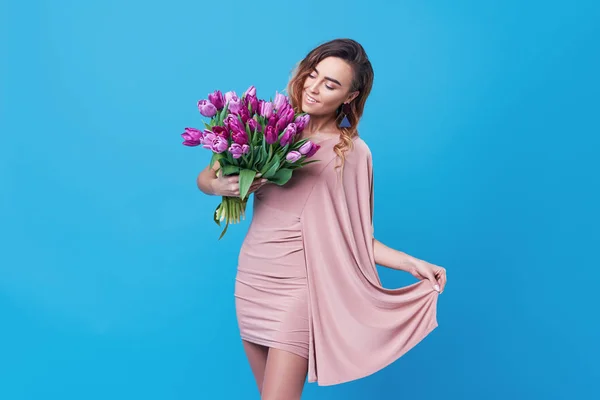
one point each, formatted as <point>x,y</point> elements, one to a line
<point>327,86</point>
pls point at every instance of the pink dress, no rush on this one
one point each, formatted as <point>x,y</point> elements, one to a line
<point>307,280</point>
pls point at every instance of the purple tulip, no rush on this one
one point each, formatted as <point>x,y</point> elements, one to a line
<point>206,108</point>
<point>253,101</point>
<point>244,114</point>
<point>301,122</point>
<point>233,123</point>
<point>283,109</point>
<point>293,156</point>
<point>266,109</point>
<point>217,99</point>
<point>288,134</point>
<point>284,119</point>
<point>251,91</point>
<point>235,104</point>
<point>271,135</point>
<point>221,131</point>
<point>192,137</point>
<point>279,101</point>
<point>254,125</point>
<point>231,95</point>
<point>237,150</point>
<point>308,148</point>
<point>239,137</point>
<point>216,143</point>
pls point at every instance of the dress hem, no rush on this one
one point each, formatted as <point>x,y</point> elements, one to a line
<point>277,345</point>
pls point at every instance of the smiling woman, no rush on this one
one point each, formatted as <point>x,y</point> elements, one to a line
<point>286,301</point>
<point>307,294</point>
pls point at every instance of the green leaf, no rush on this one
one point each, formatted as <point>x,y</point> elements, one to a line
<point>246,178</point>
<point>215,157</point>
<point>282,176</point>
<point>308,162</point>
<point>272,169</point>
<point>223,114</point>
<point>230,169</point>
<point>270,162</point>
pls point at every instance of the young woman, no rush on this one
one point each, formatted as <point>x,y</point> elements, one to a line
<point>307,293</point>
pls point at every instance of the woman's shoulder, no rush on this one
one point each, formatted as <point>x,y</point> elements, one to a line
<point>361,149</point>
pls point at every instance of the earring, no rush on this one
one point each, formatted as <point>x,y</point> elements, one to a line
<point>345,122</point>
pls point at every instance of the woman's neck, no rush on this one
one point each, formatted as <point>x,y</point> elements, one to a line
<point>320,125</point>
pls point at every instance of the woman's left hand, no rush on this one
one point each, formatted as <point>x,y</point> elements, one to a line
<point>434,273</point>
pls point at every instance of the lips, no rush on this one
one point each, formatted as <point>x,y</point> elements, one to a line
<point>310,99</point>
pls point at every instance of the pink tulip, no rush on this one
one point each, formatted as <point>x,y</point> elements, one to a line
<point>279,101</point>
<point>217,99</point>
<point>288,134</point>
<point>237,150</point>
<point>214,142</point>
<point>192,137</point>
<point>293,156</point>
<point>206,108</point>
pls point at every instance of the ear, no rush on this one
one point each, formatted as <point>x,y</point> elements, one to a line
<point>352,96</point>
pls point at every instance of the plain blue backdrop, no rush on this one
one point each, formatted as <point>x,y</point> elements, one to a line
<point>483,123</point>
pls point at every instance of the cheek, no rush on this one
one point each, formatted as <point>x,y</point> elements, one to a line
<point>331,101</point>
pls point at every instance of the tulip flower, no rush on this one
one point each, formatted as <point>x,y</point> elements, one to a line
<point>266,109</point>
<point>237,150</point>
<point>235,104</point>
<point>244,114</point>
<point>231,95</point>
<point>284,119</point>
<point>254,125</point>
<point>251,91</point>
<point>293,156</point>
<point>288,134</point>
<point>206,108</point>
<point>240,137</point>
<point>301,122</point>
<point>279,101</point>
<point>192,137</point>
<point>217,99</point>
<point>271,135</point>
<point>253,101</point>
<point>233,123</point>
<point>220,131</point>
<point>309,148</point>
<point>213,142</point>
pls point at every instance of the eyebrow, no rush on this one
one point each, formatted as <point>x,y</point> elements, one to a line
<point>329,79</point>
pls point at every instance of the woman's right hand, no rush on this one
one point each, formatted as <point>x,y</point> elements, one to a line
<point>229,185</point>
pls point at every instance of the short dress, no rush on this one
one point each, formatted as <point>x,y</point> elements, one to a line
<point>307,281</point>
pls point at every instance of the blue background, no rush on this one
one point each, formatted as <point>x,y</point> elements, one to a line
<point>483,123</point>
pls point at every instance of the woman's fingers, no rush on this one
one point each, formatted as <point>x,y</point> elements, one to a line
<point>441,277</point>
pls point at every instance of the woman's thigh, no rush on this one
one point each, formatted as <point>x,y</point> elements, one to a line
<point>284,376</point>
<point>257,357</point>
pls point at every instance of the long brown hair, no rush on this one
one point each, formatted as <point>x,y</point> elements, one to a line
<point>354,54</point>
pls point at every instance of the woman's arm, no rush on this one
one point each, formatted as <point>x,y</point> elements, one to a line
<point>390,258</point>
<point>211,183</point>
<point>206,178</point>
<point>420,269</point>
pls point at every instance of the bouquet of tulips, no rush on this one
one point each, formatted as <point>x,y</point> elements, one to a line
<point>248,136</point>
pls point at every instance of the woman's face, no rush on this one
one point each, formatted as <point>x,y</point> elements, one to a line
<point>327,87</point>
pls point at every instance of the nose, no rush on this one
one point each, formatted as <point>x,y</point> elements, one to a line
<point>314,88</point>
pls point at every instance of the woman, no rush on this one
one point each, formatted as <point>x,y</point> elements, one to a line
<point>308,297</point>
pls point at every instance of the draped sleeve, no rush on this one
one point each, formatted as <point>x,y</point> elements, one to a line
<point>356,326</point>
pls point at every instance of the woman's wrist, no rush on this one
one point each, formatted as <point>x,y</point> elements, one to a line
<point>391,258</point>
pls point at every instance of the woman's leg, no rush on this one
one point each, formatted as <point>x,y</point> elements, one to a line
<point>285,375</point>
<point>257,356</point>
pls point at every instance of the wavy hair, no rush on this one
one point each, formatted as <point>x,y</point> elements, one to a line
<point>354,54</point>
